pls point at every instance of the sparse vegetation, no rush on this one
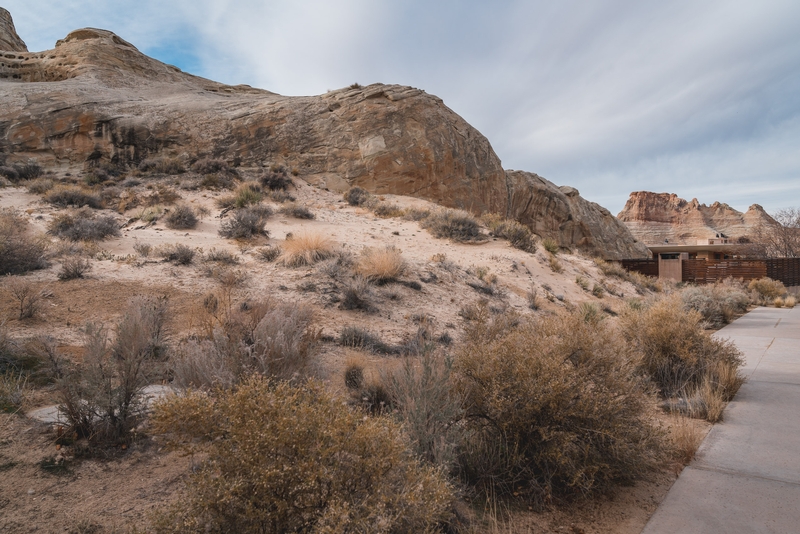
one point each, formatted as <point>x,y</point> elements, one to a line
<point>221,256</point>
<point>356,295</point>
<point>181,217</point>
<point>555,265</point>
<point>550,245</point>
<point>83,225</point>
<point>74,267</point>
<point>208,166</point>
<point>518,235</point>
<point>359,338</point>
<point>67,195</point>
<point>306,249</point>
<point>457,225</point>
<point>276,180</point>
<point>177,253</point>
<point>21,171</point>
<point>20,251</point>
<point>387,210</point>
<point>162,165</point>
<point>381,266</point>
<point>28,298</point>
<point>718,304</point>
<point>246,223</point>
<point>351,474</point>
<point>102,398</point>
<point>297,211</point>
<point>356,196</point>
<point>269,253</point>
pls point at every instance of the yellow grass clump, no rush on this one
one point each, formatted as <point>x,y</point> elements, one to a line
<point>306,249</point>
<point>381,265</point>
<point>790,301</point>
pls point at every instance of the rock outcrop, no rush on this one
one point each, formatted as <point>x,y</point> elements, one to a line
<point>9,40</point>
<point>654,217</point>
<point>96,98</point>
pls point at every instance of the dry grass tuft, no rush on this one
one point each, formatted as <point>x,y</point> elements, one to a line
<point>381,266</point>
<point>306,249</point>
<point>790,301</point>
<point>457,225</point>
<point>686,436</point>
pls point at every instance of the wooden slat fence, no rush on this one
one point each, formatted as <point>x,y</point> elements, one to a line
<point>787,270</point>
<point>648,267</point>
<point>710,271</point>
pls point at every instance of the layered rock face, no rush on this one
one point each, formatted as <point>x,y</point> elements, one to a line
<point>9,40</point>
<point>96,98</point>
<point>654,217</point>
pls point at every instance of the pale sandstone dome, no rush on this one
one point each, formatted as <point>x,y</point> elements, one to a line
<point>654,217</point>
<point>95,97</point>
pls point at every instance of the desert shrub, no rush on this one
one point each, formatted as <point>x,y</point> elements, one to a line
<point>306,249</point>
<point>356,196</point>
<point>314,465</point>
<point>245,223</point>
<point>217,180</point>
<point>181,217</point>
<point>281,196</point>
<point>276,181</point>
<point>533,298</point>
<point>13,390</point>
<point>163,165</point>
<point>778,302</point>
<point>582,282</point>
<point>40,186</point>
<point>74,267</point>
<point>102,398</point>
<point>66,195</point>
<point>518,235</point>
<point>423,399</point>
<point>151,214</point>
<point>356,337</point>
<point>387,210</point>
<point>143,249</point>
<point>598,291</point>
<point>268,254</point>
<point>416,214</point>
<point>356,294</point>
<point>673,348</point>
<point>611,268</point>
<point>554,410</point>
<point>381,266</point>
<point>718,304</point>
<point>21,171</point>
<point>247,194</point>
<point>555,265</point>
<point>19,250</point>
<point>221,256</point>
<point>161,194</point>
<point>457,225</point>
<point>550,245</point>
<point>83,225</point>
<point>767,288</point>
<point>269,337</point>
<point>790,301</point>
<point>208,166</point>
<point>297,211</point>
<point>26,295</point>
<point>177,253</point>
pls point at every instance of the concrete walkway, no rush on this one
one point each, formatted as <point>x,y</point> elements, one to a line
<point>746,474</point>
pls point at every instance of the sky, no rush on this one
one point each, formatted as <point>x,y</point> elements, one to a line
<point>696,98</point>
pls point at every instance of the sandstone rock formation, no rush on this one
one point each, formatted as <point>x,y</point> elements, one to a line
<point>654,217</point>
<point>9,40</point>
<point>96,98</point>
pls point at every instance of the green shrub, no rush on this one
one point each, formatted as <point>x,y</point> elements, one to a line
<point>554,410</point>
<point>181,217</point>
<point>20,251</point>
<point>312,466</point>
<point>356,196</point>
<point>457,225</point>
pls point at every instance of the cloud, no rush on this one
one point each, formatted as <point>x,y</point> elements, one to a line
<point>697,98</point>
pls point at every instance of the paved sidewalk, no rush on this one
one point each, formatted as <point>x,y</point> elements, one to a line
<point>745,477</point>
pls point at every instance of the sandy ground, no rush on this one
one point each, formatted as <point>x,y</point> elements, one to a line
<point>118,492</point>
